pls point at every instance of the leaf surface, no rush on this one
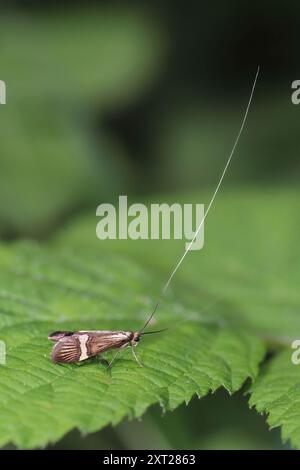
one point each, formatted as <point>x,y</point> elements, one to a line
<point>247,274</point>
<point>45,289</point>
<point>277,393</point>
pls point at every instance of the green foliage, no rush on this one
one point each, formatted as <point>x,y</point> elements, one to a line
<point>248,273</point>
<point>63,71</point>
<point>277,392</point>
<point>227,303</point>
<point>217,421</point>
<point>194,134</point>
<point>44,289</point>
<point>66,72</point>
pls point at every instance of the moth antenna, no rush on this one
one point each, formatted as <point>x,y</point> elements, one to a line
<point>152,332</point>
<point>151,316</point>
<point>166,286</point>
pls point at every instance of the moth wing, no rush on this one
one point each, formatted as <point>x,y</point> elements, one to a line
<point>66,350</point>
<point>57,335</point>
<point>99,343</point>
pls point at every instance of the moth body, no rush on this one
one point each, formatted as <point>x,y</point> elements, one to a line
<point>80,345</point>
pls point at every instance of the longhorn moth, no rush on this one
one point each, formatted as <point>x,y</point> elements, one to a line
<point>80,345</point>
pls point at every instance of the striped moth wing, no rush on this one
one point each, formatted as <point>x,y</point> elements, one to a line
<point>80,345</point>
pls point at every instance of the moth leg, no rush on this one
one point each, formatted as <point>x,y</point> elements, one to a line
<point>136,358</point>
<point>113,359</point>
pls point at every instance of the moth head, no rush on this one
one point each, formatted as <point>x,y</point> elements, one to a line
<point>57,335</point>
<point>136,337</point>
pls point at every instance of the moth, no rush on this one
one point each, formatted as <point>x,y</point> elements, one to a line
<point>80,345</point>
<point>77,346</point>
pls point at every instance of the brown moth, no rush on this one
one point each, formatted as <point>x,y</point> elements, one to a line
<point>80,345</point>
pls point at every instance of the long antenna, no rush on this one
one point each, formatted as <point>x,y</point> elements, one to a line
<point>165,288</point>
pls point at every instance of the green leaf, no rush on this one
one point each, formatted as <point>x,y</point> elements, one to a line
<point>277,393</point>
<point>45,289</point>
<point>248,272</point>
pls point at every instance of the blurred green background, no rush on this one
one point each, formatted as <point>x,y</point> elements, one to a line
<point>145,99</point>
